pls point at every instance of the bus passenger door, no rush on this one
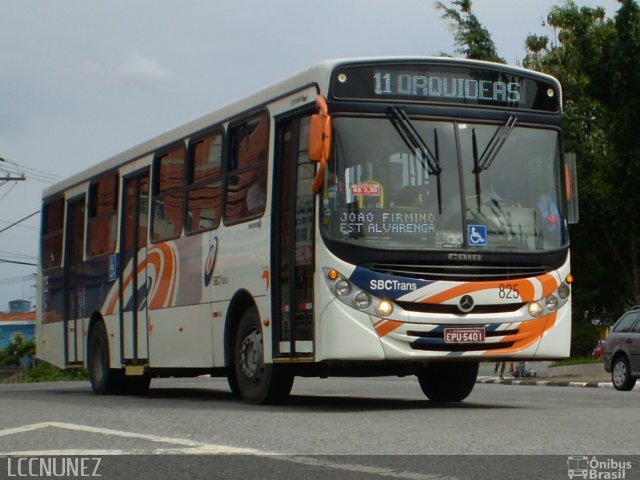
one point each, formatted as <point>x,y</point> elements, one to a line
<point>74,281</point>
<point>133,271</point>
<point>292,246</point>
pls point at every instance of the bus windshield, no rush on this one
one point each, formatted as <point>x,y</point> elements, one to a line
<point>400,183</point>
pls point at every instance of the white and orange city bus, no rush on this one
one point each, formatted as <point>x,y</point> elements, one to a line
<point>391,216</point>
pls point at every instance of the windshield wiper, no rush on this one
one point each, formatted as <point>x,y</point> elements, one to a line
<point>494,146</point>
<point>483,162</point>
<point>412,138</point>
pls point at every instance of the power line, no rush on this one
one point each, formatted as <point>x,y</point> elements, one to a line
<point>11,167</point>
<point>30,227</point>
<point>9,178</point>
<point>21,256</point>
<point>8,191</point>
<point>15,262</point>
<point>40,172</point>
<point>20,221</point>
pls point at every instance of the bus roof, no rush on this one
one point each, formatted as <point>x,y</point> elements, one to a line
<point>318,74</point>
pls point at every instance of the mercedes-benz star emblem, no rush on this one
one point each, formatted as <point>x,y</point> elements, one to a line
<point>466,303</point>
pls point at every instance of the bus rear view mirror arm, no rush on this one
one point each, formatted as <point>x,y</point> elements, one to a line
<point>320,141</point>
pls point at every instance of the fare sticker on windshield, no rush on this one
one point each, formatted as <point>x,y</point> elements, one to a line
<point>366,189</point>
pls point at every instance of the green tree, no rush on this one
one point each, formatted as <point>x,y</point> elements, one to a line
<point>598,62</point>
<point>472,38</point>
<point>18,347</point>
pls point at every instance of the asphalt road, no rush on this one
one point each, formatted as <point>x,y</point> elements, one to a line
<point>352,428</point>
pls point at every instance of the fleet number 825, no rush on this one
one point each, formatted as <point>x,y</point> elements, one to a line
<point>509,291</point>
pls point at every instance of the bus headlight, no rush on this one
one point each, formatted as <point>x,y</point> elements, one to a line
<point>359,298</point>
<point>384,308</point>
<point>535,309</point>
<point>564,291</point>
<point>342,288</point>
<point>551,302</point>
<point>362,300</point>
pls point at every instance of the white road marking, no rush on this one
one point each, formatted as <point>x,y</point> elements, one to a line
<point>25,428</point>
<point>191,444</point>
<point>192,447</point>
<point>67,453</point>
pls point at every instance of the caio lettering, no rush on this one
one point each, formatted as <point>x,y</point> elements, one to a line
<point>469,257</point>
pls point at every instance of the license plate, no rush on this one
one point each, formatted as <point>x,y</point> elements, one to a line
<point>464,335</point>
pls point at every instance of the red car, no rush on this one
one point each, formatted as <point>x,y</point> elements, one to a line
<point>598,350</point>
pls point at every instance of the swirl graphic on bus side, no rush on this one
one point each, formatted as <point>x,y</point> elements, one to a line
<point>211,261</point>
<point>156,280</point>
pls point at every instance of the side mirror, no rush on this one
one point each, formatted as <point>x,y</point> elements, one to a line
<point>320,141</point>
<point>571,186</point>
<point>319,137</point>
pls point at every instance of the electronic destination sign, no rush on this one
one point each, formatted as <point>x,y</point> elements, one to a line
<point>445,84</point>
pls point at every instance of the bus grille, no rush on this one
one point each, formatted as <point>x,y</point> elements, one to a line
<point>453,272</point>
<point>445,309</point>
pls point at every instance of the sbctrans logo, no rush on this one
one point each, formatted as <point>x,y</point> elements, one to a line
<point>594,468</point>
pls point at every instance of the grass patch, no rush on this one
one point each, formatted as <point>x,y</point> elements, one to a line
<point>575,361</point>
<point>45,372</point>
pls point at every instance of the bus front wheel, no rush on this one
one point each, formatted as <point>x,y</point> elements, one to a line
<point>448,381</point>
<point>104,380</point>
<point>258,382</point>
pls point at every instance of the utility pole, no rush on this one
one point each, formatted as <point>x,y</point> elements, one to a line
<point>8,177</point>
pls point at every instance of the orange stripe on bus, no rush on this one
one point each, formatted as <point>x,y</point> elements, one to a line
<point>529,332</point>
<point>165,275</point>
<point>524,286</point>
<point>549,284</point>
<point>387,327</point>
<point>379,322</point>
<point>114,300</point>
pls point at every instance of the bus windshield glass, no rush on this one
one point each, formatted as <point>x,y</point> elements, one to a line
<point>400,183</point>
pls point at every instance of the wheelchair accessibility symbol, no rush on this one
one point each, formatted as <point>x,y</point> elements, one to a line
<point>477,235</point>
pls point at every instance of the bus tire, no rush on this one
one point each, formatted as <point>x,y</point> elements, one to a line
<point>104,380</point>
<point>621,374</point>
<point>258,382</point>
<point>448,381</point>
<point>233,381</point>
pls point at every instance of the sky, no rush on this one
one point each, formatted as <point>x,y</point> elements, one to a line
<point>82,81</point>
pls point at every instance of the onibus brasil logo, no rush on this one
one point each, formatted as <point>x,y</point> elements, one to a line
<point>596,468</point>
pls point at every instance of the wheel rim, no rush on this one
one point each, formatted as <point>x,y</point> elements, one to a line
<point>251,355</point>
<point>619,373</point>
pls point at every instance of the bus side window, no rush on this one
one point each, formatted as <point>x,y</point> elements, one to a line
<point>168,187</point>
<point>204,186</point>
<point>247,169</point>
<point>52,226</point>
<point>103,212</point>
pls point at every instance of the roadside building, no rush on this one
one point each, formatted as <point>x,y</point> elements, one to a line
<point>16,323</point>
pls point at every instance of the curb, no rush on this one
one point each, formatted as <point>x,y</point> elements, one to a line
<point>550,383</point>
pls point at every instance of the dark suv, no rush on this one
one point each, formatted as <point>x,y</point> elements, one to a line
<point>622,350</point>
